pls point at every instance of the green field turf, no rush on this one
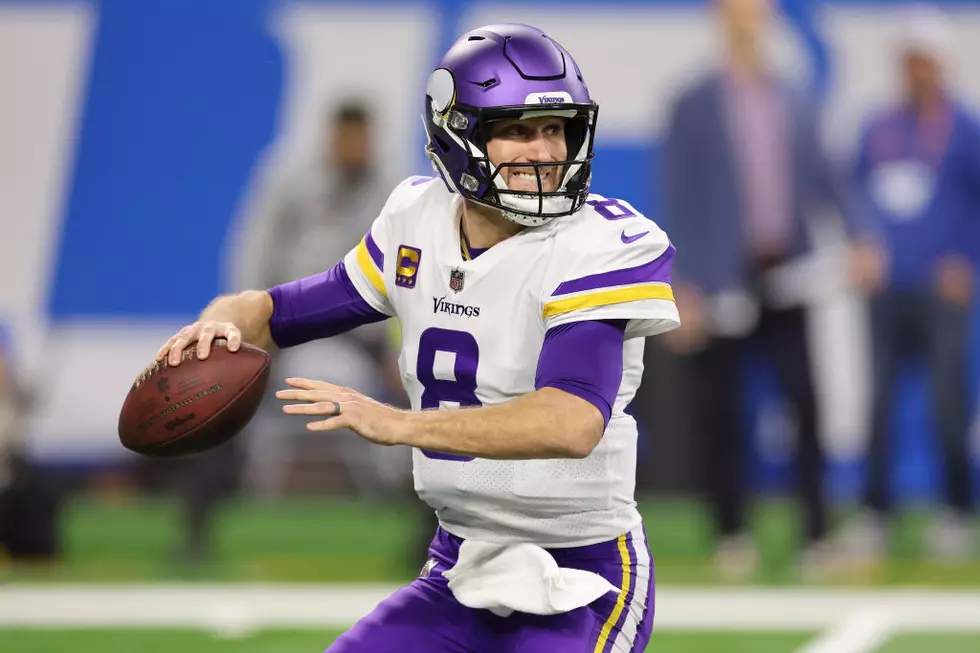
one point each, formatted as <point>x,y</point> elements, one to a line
<point>330,540</point>
<point>958,643</point>
<point>283,641</point>
<point>320,540</point>
<point>164,641</point>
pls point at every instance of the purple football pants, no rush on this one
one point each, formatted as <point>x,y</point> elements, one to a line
<point>424,617</point>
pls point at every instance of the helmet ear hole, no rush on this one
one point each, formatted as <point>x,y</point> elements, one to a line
<point>440,143</point>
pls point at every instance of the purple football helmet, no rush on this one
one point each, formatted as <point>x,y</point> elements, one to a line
<point>506,71</point>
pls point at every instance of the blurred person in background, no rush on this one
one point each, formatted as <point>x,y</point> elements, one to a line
<point>28,505</point>
<point>304,215</point>
<point>919,165</point>
<point>308,215</point>
<point>314,210</point>
<point>744,176</point>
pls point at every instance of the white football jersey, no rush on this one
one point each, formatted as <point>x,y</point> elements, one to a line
<point>472,331</point>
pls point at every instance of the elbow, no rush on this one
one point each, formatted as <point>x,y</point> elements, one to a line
<point>579,452</point>
<point>584,438</point>
<point>574,425</point>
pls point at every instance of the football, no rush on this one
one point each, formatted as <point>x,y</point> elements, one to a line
<point>196,406</point>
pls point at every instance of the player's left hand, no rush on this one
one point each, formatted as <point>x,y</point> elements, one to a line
<point>342,408</point>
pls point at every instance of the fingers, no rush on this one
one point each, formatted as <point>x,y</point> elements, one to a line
<point>202,333</point>
<point>163,351</point>
<point>204,338</point>
<point>332,410</point>
<point>312,396</point>
<point>234,336</point>
<point>184,337</point>
<point>325,408</point>
<point>312,384</point>
<point>211,330</point>
<point>308,396</point>
<point>330,424</point>
<point>322,399</point>
<point>312,391</point>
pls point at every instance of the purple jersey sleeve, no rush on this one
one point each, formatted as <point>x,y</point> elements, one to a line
<point>584,359</point>
<point>319,306</point>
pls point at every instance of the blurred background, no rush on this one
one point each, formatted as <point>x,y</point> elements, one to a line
<point>809,449</point>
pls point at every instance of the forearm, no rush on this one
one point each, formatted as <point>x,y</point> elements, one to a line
<point>250,311</point>
<point>319,306</point>
<point>546,423</point>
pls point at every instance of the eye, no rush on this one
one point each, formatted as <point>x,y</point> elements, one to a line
<point>554,129</point>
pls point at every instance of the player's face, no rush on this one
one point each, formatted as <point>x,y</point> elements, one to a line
<point>532,140</point>
<point>350,145</point>
<point>922,75</point>
<point>745,20</point>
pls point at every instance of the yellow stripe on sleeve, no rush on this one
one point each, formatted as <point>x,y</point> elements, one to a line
<point>608,297</point>
<point>368,267</point>
<point>620,600</point>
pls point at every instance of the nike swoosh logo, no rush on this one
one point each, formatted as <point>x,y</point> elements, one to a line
<point>629,239</point>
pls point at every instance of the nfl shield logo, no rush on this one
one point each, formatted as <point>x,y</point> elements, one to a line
<point>427,569</point>
<point>456,279</point>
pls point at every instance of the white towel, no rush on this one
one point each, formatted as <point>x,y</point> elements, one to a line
<point>508,578</point>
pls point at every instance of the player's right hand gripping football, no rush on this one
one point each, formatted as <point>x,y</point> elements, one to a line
<point>201,335</point>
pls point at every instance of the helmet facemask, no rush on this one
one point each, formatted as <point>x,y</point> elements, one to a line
<point>464,131</point>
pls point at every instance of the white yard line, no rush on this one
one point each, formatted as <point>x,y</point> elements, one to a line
<point>862,632</point>
<point>814,609</point>
<point>247,607</point>
<point>188,606</point>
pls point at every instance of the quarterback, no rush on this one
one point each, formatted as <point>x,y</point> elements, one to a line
<point>524,301</point>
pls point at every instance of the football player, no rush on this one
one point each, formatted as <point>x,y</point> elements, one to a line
<point>523,301</point>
